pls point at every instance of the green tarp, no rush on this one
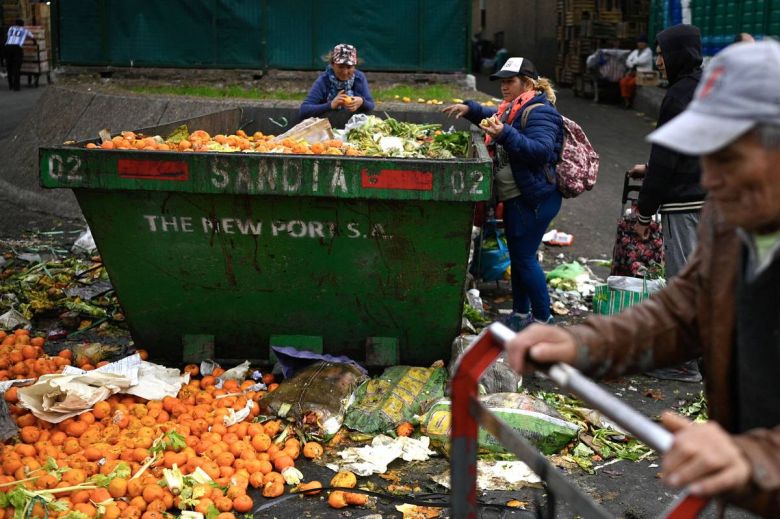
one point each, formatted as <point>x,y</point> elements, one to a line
<point>406,35</point>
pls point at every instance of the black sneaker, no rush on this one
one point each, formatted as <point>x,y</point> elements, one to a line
<point>517,322</point>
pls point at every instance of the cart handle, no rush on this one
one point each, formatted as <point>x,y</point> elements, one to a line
<point>468,370</point>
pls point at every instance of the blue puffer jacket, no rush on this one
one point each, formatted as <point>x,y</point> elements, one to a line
<point>530,149</point>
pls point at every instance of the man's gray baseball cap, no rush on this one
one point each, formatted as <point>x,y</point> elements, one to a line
<point>739,90</point>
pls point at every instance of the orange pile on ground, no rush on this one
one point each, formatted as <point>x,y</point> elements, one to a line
<point>200,140</point>
<point>22,357</point>
<point>109,462</point>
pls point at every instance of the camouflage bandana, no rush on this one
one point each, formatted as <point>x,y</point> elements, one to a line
<point>345,54</point>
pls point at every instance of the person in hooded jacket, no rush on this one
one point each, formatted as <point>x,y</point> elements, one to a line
<point>525,137</point>
<point>672,180</point>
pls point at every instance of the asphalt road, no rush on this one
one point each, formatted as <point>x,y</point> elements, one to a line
<point>15,105</point>
<point>19,220</point>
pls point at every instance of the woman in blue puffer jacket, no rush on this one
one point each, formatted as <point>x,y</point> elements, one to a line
<point>525,150</point>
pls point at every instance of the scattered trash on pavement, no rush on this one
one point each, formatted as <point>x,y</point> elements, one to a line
<point>36,286</point>
<point>291,360</point>
<point>399,393</point>
<point>55,398</point>
<point>374,458</point>
<point>239,372</point>
<point>557,238</point>
<point>498,475</point>
<point>84,244</point>
<point>317,396</point>
<point>475,301</point>
<point>498,378</point>
<point>532,417</point>
<point>418,512</point>
<point>567,275</point>
<point>13,319</point>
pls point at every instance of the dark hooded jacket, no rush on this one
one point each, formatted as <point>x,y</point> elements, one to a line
<point>673,181</point>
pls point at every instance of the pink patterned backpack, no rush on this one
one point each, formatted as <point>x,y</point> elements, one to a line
<point>578,166</point>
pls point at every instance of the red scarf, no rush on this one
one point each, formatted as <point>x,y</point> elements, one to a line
<point>514,107</point>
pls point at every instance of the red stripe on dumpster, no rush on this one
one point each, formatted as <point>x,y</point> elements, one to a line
<point>153,169</point>
<point>398,179</point>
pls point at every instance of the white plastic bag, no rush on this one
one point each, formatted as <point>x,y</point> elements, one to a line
<point>356,121</point>
<point>85,243</point>
<point>632,284</point>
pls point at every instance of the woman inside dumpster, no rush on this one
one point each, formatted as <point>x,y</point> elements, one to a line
<point>340,87</point>
<point>525,137</point>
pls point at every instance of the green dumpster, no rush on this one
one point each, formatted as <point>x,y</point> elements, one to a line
<point>355,256</point>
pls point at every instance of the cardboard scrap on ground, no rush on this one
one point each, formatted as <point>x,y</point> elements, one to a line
<point>57,397</point>
<point>498,475</point>
<point>148,380</point>
<point>374,458</point>
<point>11,319</point>
<point>313,129</point>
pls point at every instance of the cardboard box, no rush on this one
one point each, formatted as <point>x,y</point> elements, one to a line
<point>648,78</point>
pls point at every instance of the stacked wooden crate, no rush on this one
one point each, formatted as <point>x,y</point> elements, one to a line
<point>636,15</point>
<point>36,56</point>
<point>587,25</point>
<point>42,17</point>
<point>572,15</point>
<point>14,10</point>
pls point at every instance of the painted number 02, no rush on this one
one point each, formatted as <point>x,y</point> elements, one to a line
<point>67,169</point>
<point>471,181</point>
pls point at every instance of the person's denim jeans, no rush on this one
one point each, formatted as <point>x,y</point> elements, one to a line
<point>525,227</point>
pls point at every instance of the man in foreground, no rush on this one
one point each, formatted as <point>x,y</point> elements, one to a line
<point>723,305</point>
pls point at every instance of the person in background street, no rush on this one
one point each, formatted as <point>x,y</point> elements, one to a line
<point>524,156</point>
<point>723,305</point>
<point>640,60</point>
<point>744,37</point>
<point>17,34</point>
<point>340,87</point>
<point>672,180</point>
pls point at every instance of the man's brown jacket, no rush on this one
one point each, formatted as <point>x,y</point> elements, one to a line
<point>694,316</point>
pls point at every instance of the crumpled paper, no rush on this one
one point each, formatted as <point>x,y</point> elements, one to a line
<point>148,380</point>
<point>55,398</point>
<point>11,319</point>
<point>85,244</point>
<point>498,475</point>
<point>233,417</point>
<point>374,458</point>
<point>236,373</point>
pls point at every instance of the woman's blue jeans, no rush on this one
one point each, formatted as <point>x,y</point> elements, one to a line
<point>525,227</point>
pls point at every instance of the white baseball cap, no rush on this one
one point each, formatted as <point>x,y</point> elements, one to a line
<point>739,90</point>
<point>516,67</point>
